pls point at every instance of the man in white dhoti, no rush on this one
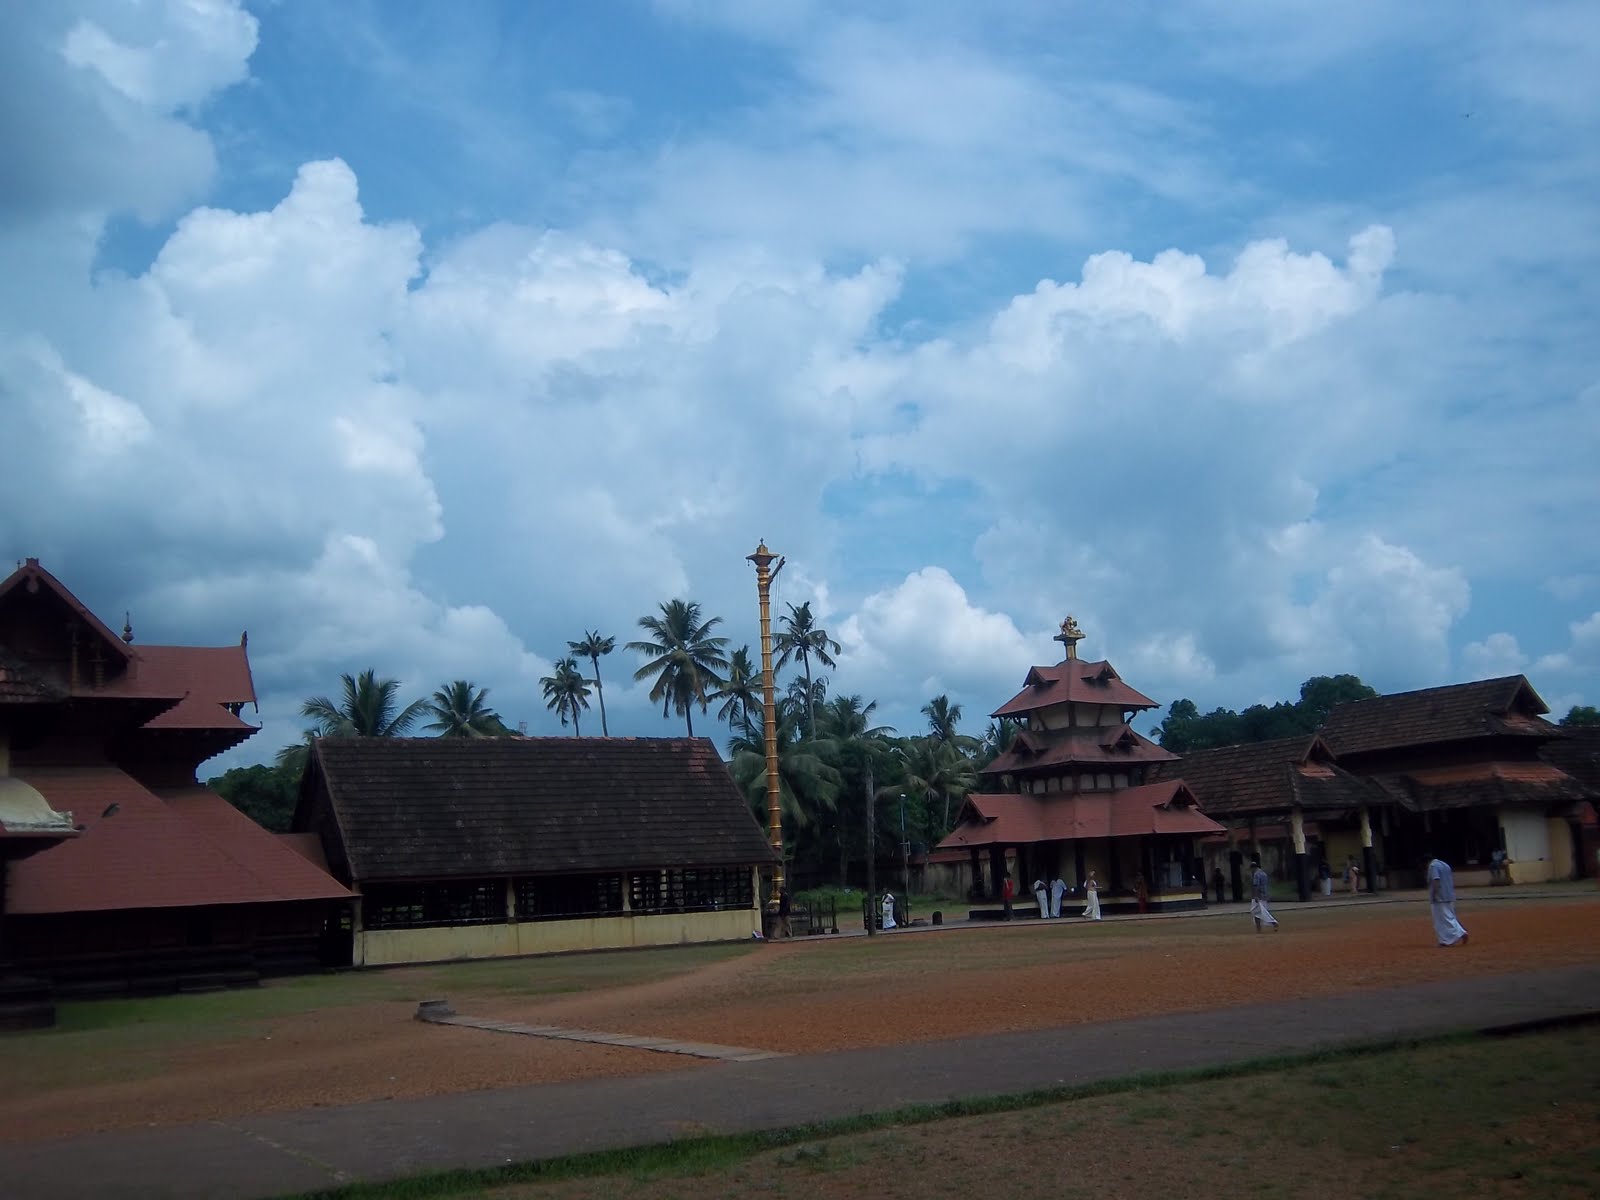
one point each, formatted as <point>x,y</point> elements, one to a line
<point>1042,897</point>
<point>1091,889</point>
<point>1442,898</point>
<point>1260,887</point>
<point>888,910</point>
<point>1058,889</point>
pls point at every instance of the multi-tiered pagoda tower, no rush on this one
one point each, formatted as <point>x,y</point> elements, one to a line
<point>1070,792</point>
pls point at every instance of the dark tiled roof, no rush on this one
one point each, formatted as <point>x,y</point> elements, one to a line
<point>1112,746</point>
<point>1075,680</point>
<point>1536,783</point>
<point>419,808</point>
<point>1577,752</point>
<point>1456,712</point>
<point>1273,777</point>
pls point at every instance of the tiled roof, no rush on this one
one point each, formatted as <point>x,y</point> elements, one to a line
<point>1013,818</point>
<point>418,808</point>
<point>1577,752</point>
<point>1456,712</point>
<point>30,577</point>
<point>1273,777</point>
<point>1536,783</point>
<point>1109,745</point>
<point>204,678</point>
<point>1074,680</point>
<point>140,850</point>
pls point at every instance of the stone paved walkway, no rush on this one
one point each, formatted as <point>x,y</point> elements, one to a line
<point>632,1041</point>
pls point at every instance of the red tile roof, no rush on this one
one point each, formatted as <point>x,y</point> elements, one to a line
<point>202,678</point>
<point>1012,819</point>
<point>141,850</point>
<point>1075,680</point>
<point>1504,707</point>
<point>1537,784</point>
<point>1104,745</point>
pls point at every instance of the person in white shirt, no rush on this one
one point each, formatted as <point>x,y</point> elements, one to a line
<point>888,910</point>
<point>1042,897</point>
<point>1091,889</point>
<point>1260,885</point>
<point>1058,889</point>
<point>1442,899</point>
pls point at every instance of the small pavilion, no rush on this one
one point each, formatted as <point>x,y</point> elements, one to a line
<point>1075,792</point>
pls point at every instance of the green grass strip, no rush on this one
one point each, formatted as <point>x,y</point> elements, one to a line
<point>713,1151</point>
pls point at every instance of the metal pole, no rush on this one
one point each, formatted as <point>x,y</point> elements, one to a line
<point>765,574</point>
<point>872,852</point>
<point>905,849</point>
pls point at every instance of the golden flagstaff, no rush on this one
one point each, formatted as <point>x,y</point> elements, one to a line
<point>765,574</point>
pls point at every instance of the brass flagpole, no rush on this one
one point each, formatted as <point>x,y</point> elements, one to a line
<point>765,574</point>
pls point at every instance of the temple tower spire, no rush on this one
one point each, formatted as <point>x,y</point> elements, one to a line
<point>1069,637</point>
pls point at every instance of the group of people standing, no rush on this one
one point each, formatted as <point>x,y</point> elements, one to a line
<point>1049,896</point>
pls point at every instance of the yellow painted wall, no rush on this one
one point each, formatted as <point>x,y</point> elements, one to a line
<point>1561,851</point>
<point>385,947</point>
<point>1528,845</point>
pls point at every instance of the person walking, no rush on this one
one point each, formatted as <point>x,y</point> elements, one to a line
<point>1091,890</point>
<point>1352,875</point>
<point>1058,889</point>
<point>1218,882</point>
<point>1442,899</point>
<point>1260,888</point>
<point>1041,898</point>
<point>1141,892</point>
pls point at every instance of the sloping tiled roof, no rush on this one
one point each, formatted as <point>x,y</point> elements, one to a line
<point>139,850</point>
<point>31,577</point>
<point>204,678</point>
<point>419,808</point>
<point>1273,777</point>
<point>1012,818</point>
<point>1456,712</point>
<point>1109,745</point>
<point>1074,680</point>
<point>1536,783</point>
<point>1577,752</point>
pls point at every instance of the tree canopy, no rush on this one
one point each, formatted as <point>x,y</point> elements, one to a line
<point>1581,714</point>
<point>1185,729</point>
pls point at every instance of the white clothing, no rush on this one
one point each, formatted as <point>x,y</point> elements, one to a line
<point>1091,911</point>
<point>1327,886</point>
<point>888,911</point>
<point>1042,897</point>
<point>1441,882</point>
<point>1058,889</point>
<point>1260,912</point>
<point>1445,926</point>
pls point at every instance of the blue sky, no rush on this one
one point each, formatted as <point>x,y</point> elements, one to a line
<point>1259,336</point>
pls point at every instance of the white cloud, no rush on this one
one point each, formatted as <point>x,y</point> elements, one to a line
<point>1496,655</point>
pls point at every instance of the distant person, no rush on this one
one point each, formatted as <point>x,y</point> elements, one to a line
<point>1260,892</point>
<point>1008,893</point>
<point>1325,877</point>
<point>1352,875</point>
<point>1218,883</point>
<point>888,910</point>
<point>1091,891</point>
<point>1141,892</point>
<point>1042,898</point>
<point>1497,866</point>
<point>1442,898</point>
<point>1058,889</point>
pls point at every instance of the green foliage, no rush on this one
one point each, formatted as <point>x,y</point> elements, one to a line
<point>808,784</point>
<point>264,794</point>
<point>367,708</point>
<point>592,646</point>
<point>567,692</point>
<point>1185,730</point>
<point>685,660</point>
<point>1581,714</point>
<point>802,638</point>
<point>740,691</point>
<point>461,710</point>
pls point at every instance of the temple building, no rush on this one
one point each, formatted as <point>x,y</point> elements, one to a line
<point>1076,792</point>
<point>146,880</point>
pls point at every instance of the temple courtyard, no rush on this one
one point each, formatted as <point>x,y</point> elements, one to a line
<point>343,1039</point>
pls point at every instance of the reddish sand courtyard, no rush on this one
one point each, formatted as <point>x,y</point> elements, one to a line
<point>797,997</point>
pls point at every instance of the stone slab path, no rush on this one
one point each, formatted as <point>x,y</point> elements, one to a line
<point>632,1041</point>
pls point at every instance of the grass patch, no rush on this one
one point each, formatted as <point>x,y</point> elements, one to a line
<point>1405,1112</point>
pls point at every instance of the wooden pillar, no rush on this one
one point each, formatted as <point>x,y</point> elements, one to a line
<point>1235,864</point>
<point>1297,828</point>
<point>1369,867</point>
<point>511,901</point>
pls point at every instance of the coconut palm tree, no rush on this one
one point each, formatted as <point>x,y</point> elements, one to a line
<point>936,771</point>
<point>808,785</point>
<point>461,710</point>
<point>802,638</point>
<point>684,658</point>
<point>567,692</point>
<point>367,709</point>
<point>740,691</point>
<point>862,753</point>
<point>592,646</point>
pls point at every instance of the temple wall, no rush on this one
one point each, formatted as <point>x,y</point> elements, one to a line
<point>1527,834</point>
<point>385,947</point>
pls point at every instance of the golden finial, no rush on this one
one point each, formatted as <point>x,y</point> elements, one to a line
<point>1070,636</point>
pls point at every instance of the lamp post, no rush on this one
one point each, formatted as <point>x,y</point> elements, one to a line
<point>765,574</point>
<point>905,851</point>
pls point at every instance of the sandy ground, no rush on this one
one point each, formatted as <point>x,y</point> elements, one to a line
<point>801,997</point>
